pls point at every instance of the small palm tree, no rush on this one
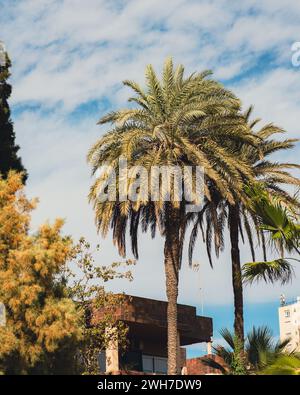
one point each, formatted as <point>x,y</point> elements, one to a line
<point>179,121</point>
<point>260,352</point>
<point>232,355</point>
<point>261,348</point>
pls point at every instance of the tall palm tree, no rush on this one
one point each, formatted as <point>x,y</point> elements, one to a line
<point>241,215</point>
<point>179,121</point>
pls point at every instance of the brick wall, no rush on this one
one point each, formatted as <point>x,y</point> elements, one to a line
<point>196,366</point>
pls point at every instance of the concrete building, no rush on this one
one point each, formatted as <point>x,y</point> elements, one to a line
<point>147,322</point>
<point>289,323</point>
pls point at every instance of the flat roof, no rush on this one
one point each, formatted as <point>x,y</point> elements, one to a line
<point>149,317</point>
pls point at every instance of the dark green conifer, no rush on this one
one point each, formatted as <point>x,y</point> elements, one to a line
<point>9,159</point>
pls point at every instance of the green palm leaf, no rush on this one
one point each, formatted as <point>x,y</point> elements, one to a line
<point>271,271</point>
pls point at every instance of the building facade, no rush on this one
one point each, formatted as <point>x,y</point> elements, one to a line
<point>289,323</point>
<point>147,323</point>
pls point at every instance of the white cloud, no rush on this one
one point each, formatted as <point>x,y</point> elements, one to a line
<point>77,51</point>
<point>276,97</point>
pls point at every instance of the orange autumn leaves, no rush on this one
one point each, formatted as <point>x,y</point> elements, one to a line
<point>39,314</point>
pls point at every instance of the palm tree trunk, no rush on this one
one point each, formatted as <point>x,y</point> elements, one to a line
<point>236,273</point>
<point>172,259</point>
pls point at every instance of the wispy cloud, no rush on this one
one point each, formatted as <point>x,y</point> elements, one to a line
<point>70,52</point>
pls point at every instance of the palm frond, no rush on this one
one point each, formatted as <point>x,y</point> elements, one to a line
<point>277,270</point>
<point>210,362</point>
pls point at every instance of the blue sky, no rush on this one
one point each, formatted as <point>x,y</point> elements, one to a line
<point>256,314</point>
<point>69,58</point>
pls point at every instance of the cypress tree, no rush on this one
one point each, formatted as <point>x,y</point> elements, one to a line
<point>9,159</point>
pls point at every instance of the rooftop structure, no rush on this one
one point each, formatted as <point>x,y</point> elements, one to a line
<point>147,322</point>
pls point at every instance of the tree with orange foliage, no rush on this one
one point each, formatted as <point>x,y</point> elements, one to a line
<point>40,317</point>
